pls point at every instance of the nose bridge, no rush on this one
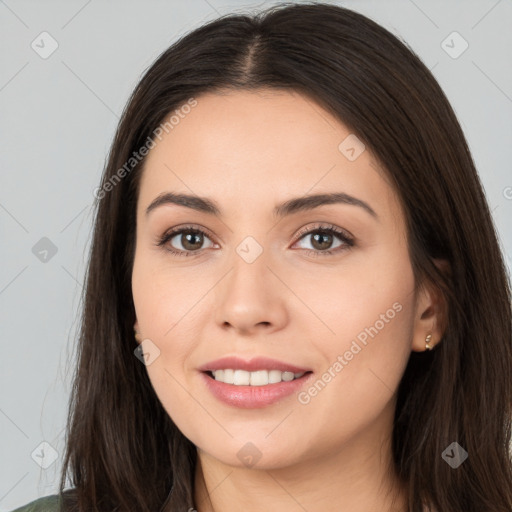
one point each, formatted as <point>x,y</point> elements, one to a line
<point>251,295</point>
<point>250,249</point>
<point>249,268</point>
<point>250,237</point>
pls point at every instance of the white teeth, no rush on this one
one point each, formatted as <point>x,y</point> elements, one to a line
<point>229,376</point>
<point>274,376</point>
<point>242,378</point>
<point>258,378</point>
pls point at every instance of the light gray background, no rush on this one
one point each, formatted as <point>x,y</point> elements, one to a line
<point>58,117</point>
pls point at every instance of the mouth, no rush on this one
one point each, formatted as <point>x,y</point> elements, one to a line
<point>254,378</point>
<point>255,389</point>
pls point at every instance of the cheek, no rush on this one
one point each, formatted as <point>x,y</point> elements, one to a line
<point>165,298</point>
<point>169,386</point>
<point>166,306</point>
<point>370,313</point>
<point>369,301</point>
<point>363,366</point>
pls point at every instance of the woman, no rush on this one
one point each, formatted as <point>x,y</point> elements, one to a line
<point>295,298</point>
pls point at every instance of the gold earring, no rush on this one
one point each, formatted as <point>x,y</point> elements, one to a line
<point>427,341</point>
<point>138,336</point>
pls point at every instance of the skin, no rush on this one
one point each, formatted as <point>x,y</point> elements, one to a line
<point>249,151</point>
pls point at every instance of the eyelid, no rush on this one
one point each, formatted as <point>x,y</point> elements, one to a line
<point>184,227</point>
<point>323,226</point>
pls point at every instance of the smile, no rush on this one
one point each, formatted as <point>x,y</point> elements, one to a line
<point>257,378</point>
<point>244,395</point>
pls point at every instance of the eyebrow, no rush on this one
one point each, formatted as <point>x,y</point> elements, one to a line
<point>295,205</point>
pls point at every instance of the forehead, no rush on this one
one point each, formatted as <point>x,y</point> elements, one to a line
<point>246,146</point>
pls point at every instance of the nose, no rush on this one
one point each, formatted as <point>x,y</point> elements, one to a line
<point>251,298</point>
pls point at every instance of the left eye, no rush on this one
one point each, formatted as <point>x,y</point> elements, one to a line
<point>322,239</point>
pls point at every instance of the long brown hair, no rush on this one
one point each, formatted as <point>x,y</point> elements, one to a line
<point>123,450</point>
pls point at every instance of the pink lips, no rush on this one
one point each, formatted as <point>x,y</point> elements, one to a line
<point>258,363</point>
<point>252,397</point>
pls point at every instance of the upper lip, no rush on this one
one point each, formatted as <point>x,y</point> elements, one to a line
<point>257,363</point>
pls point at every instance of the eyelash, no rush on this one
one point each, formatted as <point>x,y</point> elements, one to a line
<point>321,228</point>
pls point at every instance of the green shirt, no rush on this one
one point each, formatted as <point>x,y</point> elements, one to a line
<point>46,504</point>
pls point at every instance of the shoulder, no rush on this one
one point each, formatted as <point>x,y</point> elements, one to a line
<point>46,504</point>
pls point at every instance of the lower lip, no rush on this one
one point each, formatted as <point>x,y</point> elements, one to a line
<point>253,397</point>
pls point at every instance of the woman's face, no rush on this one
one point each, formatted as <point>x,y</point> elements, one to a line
<point>263,283</point>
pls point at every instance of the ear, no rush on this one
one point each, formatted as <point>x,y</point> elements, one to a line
<point>136,330</point>
<point>431,313</point>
